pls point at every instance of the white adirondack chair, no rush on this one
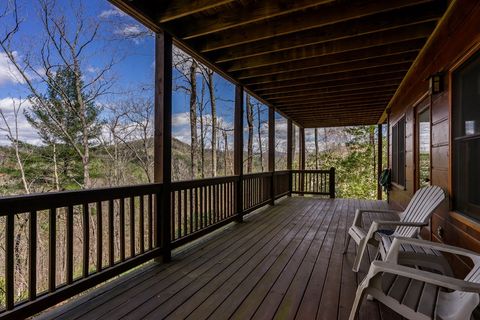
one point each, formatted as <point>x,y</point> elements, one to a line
<point>418,294</point>
<point>405,224</point>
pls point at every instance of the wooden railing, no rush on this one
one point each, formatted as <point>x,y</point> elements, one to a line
<point>101,240</point>
<point>281,183</point>
<point>256,190</point>
<point>87,237</point>
<point>316,182</point>
<point>199,206</point>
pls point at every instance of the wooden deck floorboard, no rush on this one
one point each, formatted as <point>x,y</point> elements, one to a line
<point>285,262</point>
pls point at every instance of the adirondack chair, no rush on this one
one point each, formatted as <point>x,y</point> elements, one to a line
<point>419,294</point>
<point>404,224</point>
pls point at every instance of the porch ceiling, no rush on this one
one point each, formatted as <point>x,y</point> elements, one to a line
<point>320,62</point>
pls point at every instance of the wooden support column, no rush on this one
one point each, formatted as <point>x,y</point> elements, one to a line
<point>271,151</point>
<point>379,161</point>
<point>289,154</point>
<point>388,145</point>
<point>163,140</point>
<point>238,151</point>
<point>301,165</point>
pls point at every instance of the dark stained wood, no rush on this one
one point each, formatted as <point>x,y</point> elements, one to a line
<point>9,262</point>
<point>239,15</point>
<point>311,19</point>
<point>277,265</point>
<point>52,249</point>
<point>379,159</point>
<point>271,149</point>
<point>342,30</point>
<point>163,139</point>
<point>238,150</point>
<point>268,45</point>
<point>32,256</point>
<point>69,241</point>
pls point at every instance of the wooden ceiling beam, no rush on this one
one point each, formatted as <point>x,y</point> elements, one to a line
<point>314,18</point>
<point>315,107</point>
<point>394,59</point>
<point>348,78</point>
<point>346,30</point>
<point>420,31</point>
<point>329,92</point>
<point>350,93</point>
<point>237,15</point>
<point>354,55</point>
<point>327,72</point>
<point>337,85</point>
<point>321,101</point>
<point>171,10</point>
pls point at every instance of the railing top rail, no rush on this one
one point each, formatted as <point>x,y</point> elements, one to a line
<point>177,185</point>
<point>44,201</point>
<point>281,172</point>
<point>257,174</point>
<point>311,171</point>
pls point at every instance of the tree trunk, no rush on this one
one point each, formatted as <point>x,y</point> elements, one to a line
<point>202,132</point>
<point>294,147</point>
<point>250,135</point>
<point>55,168</point>
<point>213,105</point>
<point>259,129</point>
<point>225,157</point>
<point>193,119</point>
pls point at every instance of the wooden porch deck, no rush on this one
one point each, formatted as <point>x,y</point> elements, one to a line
<point>284,262</point>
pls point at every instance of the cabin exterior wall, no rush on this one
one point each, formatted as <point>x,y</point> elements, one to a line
<point>456,39</point>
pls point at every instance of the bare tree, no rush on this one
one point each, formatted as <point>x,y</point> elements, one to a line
<point>250,134</point>
<point>65,47</point>
<point>260,124</point>
<point>10,127</point>
<point>208,76</point>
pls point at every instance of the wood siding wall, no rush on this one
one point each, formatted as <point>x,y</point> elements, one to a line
<point>456,38</point>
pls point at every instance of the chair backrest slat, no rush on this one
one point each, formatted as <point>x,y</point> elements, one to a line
<point>421,207</point>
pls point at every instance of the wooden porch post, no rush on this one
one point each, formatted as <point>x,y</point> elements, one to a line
<point>289,155</point>
<point>379,161</point>
<point>271,151</point>
<point>302,158</point>
<point>238,151</point>
<point>163,140</point>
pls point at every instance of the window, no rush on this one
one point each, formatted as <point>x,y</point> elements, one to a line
<point>398,152</point>
<point>423,148</point>
<point>466,138</point>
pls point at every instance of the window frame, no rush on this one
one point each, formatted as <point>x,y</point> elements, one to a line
<point>397,156</point>
<point>459,138</point>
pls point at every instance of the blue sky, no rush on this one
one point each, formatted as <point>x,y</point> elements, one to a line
<point>121,38</point>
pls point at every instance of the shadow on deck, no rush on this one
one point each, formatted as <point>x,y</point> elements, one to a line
<point>284,262</point>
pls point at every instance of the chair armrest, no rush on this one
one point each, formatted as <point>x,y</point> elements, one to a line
<point>375,226</point>
<point>424,276</point>
<point>357,221</point>
<point>392,255</point>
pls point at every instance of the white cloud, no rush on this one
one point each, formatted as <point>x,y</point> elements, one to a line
<point>134,32</point>
<point>25,131</point>
<point>114,12</point>
<point>8,73</point>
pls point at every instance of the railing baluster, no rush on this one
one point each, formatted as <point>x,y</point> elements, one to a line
<point>185,212</point>
<point>142,224</point>
<point>122,229</point>
<point>111,252</point>
<point>194,206</point>
<point>32,256</point>
<point>150,222</point>
<point>69,265</point>
<point>190,197</point>
<point>86,240</point>
<point>132,227</point>
<point>99,236</point>
<point>177,200</point>
<point>52,249</point>
<point>9,261</point>
<point>202,212</point>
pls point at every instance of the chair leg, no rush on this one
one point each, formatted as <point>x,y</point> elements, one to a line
<point>362,246</point>
<point>349,237</point>
<point>358,299</point>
